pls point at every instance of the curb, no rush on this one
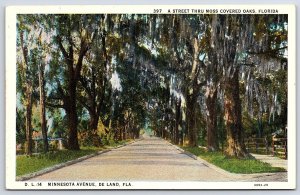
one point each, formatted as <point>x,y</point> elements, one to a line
<point>68,163</point>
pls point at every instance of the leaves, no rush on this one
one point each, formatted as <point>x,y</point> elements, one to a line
<point>127,71</point>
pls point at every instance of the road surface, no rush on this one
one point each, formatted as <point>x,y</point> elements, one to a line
<point>150,159</point>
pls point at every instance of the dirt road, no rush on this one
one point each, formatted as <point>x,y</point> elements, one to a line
<point>147,159</point>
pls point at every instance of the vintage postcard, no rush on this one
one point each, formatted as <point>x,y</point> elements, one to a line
<point>151,97</point>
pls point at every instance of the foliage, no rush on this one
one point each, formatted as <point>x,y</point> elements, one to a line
<point>20,134</point>
<point>109,139</point>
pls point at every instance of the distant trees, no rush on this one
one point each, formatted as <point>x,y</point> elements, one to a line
<point>27,62</point>
<point>177,74</point>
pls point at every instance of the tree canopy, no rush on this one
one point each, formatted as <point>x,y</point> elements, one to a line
<point>193,79</point>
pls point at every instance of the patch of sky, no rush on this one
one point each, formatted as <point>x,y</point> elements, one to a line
<point>285,24</point>
<point>202,56</point>
<point>19,105</point>
<point>115,81</point>
<point>175,92</point>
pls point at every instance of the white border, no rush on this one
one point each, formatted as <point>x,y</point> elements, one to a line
<point>143,9</point>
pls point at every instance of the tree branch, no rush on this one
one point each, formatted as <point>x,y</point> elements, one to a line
<point>268,51</point>
<point>84,84</point>
<point>54,98</point>
<point>84,103</point>
<point>65,54</point>
<point>60,89</point>
<point>102,96</point>
<point>84,48</point>
<point>54,105</point>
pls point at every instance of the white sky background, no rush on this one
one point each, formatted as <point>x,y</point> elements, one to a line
<point>115,81</point>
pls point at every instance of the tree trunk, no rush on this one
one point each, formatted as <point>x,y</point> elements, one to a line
<point>191,96</point>
<point>94,116</point>
<point>93,128</point>
<point>28,144</point>
<point>211,103</point>
<point>232,116</point>
<point>28,98</point>
<point>42,107</point>
<point>177,121</point>
<point>71,112</point>
<point>191,126</point>
<point>93,123</point>
<point>124,132</point>
<point>120,133</point>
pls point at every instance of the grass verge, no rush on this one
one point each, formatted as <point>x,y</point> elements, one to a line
<point>30,164</point>
<point>233,165</point>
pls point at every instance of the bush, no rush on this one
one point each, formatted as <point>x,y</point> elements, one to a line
<point>142,131</point>
<point>111,139</point>
<point>104,140</point>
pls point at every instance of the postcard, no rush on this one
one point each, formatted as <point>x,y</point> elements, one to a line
<point>150,97</point>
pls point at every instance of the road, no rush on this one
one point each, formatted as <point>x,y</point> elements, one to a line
<point>146,160</point>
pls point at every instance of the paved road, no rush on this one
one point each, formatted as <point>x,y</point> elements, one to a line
<point>147,159</point>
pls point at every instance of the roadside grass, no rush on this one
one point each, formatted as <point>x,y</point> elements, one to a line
<point>115,144</point>
<point>30,164</point>
<point>233,165</point>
